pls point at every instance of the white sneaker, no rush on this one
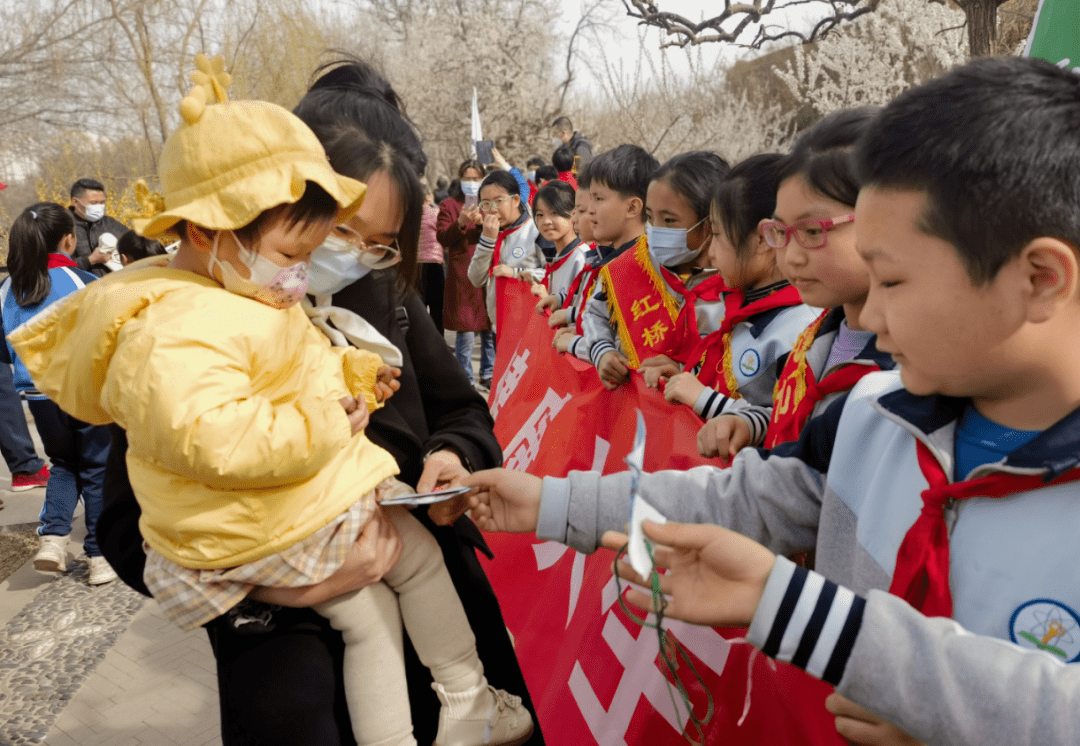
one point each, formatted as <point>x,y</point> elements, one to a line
<point>101,571</point>
<point>52,554</point>
<point>482,716</point>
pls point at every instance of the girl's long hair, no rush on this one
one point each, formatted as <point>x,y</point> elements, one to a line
<point>35,234</point>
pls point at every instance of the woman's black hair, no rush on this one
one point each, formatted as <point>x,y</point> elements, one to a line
<point>35,234</point>
<point>558,196</point>
<point>135,247</point>
<point>352,153</point>
<point>349,91</point>
<point>694,176</point>
<point>505,180</point>
<point>746,197</point>
<point>824,155</point>
<point>455,186</point>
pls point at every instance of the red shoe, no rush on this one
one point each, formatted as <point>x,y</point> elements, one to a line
<point>21,482</point>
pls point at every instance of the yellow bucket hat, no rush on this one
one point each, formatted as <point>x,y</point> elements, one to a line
<point>229,163</point>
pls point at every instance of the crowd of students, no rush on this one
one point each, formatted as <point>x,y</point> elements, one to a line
<point>878,329</point>
<point>890,310</point>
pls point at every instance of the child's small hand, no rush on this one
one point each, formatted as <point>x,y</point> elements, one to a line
<point>504,500</point>
<point>386,382</point>
<point>683,388</point>
<point>658,368</point>
<point>491,226</point>
<point>559,317</point>
<point>715,576</point>
<point>562,339</point>
<point>539,290</point>
<point>724,436</point>
<point>357,412</point>
<point>549,302</point>
<point>613,369</point>
<point>503,270</point>
<point>861,727</point>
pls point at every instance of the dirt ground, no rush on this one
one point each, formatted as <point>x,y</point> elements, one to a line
<point>17,545</point>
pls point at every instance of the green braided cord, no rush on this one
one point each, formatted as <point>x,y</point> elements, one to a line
<point>669,661</point>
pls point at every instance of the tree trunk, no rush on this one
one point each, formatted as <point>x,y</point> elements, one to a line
<point>981,25</point>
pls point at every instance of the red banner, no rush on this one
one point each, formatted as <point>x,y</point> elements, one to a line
<point>593,673</point>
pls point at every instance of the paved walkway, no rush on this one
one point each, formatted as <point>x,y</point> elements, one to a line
<point>96,666</point>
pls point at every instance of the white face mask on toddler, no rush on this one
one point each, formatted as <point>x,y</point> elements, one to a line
<point>279,287</point>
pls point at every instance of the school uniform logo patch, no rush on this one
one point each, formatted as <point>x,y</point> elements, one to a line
<point>518,252</point>
<point>1045,624</point>
<point>749,362</point>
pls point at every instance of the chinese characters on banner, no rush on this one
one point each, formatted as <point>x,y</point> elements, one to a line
<point>593,673</point>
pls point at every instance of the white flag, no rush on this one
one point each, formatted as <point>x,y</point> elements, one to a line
<point>477,130</point>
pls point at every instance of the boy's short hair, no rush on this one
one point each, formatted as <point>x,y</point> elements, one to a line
<point>562,159</point>
<point>995,146</point>
<point>535,161</point>
<point>546,173</point>
<point>627,170</point>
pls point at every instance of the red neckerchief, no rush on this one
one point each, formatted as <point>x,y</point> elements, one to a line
<point>713,350</point>
<point>798,391</point>
<point>711,289</point>
<point>554,265</point>
<point>496,253</point>
<point>60,260</point>
<point>921,576</point>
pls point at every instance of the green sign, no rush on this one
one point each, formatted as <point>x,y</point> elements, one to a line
<point>1055,36</point>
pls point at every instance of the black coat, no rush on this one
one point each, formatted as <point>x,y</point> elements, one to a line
<point>87,237</point>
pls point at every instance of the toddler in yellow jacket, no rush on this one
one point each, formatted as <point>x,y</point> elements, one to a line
<point>245,427</point>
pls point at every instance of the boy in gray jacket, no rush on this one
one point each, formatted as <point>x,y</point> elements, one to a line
<point>951,483</point>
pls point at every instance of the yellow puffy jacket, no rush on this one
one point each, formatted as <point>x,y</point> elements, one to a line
<point>238,445</point>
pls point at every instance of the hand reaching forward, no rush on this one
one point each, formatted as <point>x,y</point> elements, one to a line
<point>683,388</point>
<point>715,576</point>
<point>723,436</point>
<point>504,500</point>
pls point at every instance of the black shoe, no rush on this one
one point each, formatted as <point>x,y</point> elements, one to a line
<point>485,383</point>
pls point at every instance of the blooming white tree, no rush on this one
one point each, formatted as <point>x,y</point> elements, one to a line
<point>869,63</point>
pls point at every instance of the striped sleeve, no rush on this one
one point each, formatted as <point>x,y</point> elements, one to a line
<point>711,403</point>
<point>806,620</point>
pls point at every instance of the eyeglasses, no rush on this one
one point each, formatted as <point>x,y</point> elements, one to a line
<point>811,233</point>
<point>358,247</point>
<point>493,204</point>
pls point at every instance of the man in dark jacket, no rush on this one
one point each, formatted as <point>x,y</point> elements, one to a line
<point>91,223</point>
<point>563,133</point>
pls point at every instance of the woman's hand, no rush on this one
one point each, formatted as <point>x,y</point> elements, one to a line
<point>491,226</point>
<point>658,368</point>
<point>715,576</point>
<point>503,270</point>
<point>373,554</point>
<point>499,160</point>
<point>861,727</point>
<point>683,388</point>
<point>358,415</point>
<point>443,470</point>
<point>386,382</point>
<point>469,216</point>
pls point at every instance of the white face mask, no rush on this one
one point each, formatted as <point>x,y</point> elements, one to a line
<point>94,213</point>
<point>531,175</point>
<point>556,142</point>
<point>668,245</point>
<point>471,188</point>
<point>279,287</point>
<point>333,268</point>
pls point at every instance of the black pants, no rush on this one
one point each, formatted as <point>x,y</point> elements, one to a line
<point>433,288</point>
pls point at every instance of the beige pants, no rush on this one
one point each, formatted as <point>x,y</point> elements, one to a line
<point>370,623</point>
